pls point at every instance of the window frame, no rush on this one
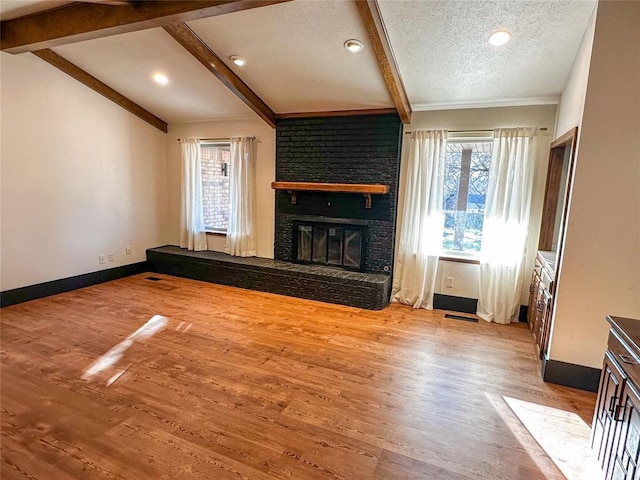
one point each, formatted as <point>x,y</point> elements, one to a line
<point>209,143</point>
<point>479,136</point>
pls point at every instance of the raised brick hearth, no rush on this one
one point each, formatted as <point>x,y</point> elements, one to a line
<point>314,282</point>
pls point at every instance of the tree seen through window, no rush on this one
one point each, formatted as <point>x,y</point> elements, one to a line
<point>465,188</point>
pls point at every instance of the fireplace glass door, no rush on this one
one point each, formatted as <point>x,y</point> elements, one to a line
<point>327,244</point>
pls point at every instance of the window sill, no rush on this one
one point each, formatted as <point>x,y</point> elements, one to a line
<point>214,232</point>
<point>449,257</point>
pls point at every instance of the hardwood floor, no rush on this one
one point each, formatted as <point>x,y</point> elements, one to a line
<point>249,385</point>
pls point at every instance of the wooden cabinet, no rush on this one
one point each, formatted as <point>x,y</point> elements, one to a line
<point>607,410</point>
<point>540,302</point>
<point>624,461</point>
<point>616,421</point>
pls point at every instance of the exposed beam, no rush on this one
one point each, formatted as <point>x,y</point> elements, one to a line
<point>93,83</point>
<point>201,51</point>
<point>83,21</point>
<point>372,19</point>
<point>108,2</point>
<point>336,113</point>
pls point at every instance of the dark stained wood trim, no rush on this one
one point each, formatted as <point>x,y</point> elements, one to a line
<point>568,139</point>
<point>365,189</point>
<point>372,19</point>
<point>46,289</point>
<point>570,375</point>
<point>455,304</point>
<point>108,2</point>
<point>336,113</point>
<point>195,46</point>
<point>96,85</point>
<point>551,198</point>
<point>552,188</point>
<point>84,21</point>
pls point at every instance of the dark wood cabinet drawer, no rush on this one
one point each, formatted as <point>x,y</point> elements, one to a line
<point>625,357</point>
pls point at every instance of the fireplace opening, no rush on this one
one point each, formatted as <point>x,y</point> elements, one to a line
<point>338,245</point>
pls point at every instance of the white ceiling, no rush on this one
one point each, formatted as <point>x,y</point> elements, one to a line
<point>445,60</point>
<point>296,61</point>
<point>127,62</point>
<point>296,58</point>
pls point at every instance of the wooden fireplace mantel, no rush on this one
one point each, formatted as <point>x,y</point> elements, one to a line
<point>366,189</point>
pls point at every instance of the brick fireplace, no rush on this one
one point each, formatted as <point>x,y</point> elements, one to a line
<point>338,150</point>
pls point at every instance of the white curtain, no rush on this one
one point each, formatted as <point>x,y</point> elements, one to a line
<point>241,232</point>
<point>192,232</point>
<point>422,221</point>
<point>506,223</point>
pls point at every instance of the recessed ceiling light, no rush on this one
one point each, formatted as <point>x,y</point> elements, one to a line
<point>499,38</point>
<point>241,62</point>
<point>353,45</point>
<point>160,78</point>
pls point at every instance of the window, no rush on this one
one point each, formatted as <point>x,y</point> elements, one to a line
<point>215,185</point>
<point>465,187</point>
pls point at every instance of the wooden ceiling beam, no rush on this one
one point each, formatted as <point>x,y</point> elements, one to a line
<point>336,113</point>
<point>186,37</point>
<point>84,21</point>
<point>371,17</point>
<point>108,2</point>
<point>96,85</point>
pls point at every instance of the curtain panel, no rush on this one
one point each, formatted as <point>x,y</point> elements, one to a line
<point>506,224</point>
<point>192,232</point>
<point>422,221</point>
<point>241,230</point>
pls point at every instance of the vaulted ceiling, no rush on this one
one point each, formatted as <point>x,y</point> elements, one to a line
<point>418,55</point>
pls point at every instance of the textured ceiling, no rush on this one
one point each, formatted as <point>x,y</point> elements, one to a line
<point>444,59</point>
<point>297,63</point>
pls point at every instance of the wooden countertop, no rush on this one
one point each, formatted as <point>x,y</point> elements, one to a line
<point>629,331</point>
<point>549,258</point>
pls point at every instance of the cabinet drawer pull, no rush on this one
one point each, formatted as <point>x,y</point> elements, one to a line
<point>628,359</point>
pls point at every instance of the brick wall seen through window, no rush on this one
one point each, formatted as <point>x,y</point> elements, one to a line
<point>215,185</point>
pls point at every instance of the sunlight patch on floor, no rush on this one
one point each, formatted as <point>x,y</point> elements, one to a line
<point>547,468</point>
<point>563,435</point>
<point>112,366</point>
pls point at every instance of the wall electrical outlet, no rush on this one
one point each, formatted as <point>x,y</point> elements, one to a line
<point>128,249</point>
<point>112,257</point>
<point>101,258</point>
<point>448,282</point>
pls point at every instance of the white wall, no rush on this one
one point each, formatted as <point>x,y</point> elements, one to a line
<point>573,95</point>
<point>466,275</point>
<point>265,174</point>
<point>80,177</point>
<point>600,271</point>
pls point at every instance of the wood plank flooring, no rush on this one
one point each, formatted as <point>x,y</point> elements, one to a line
<point>249,385</point>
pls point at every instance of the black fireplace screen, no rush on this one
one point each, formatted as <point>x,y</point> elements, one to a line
<point>327,244</point>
